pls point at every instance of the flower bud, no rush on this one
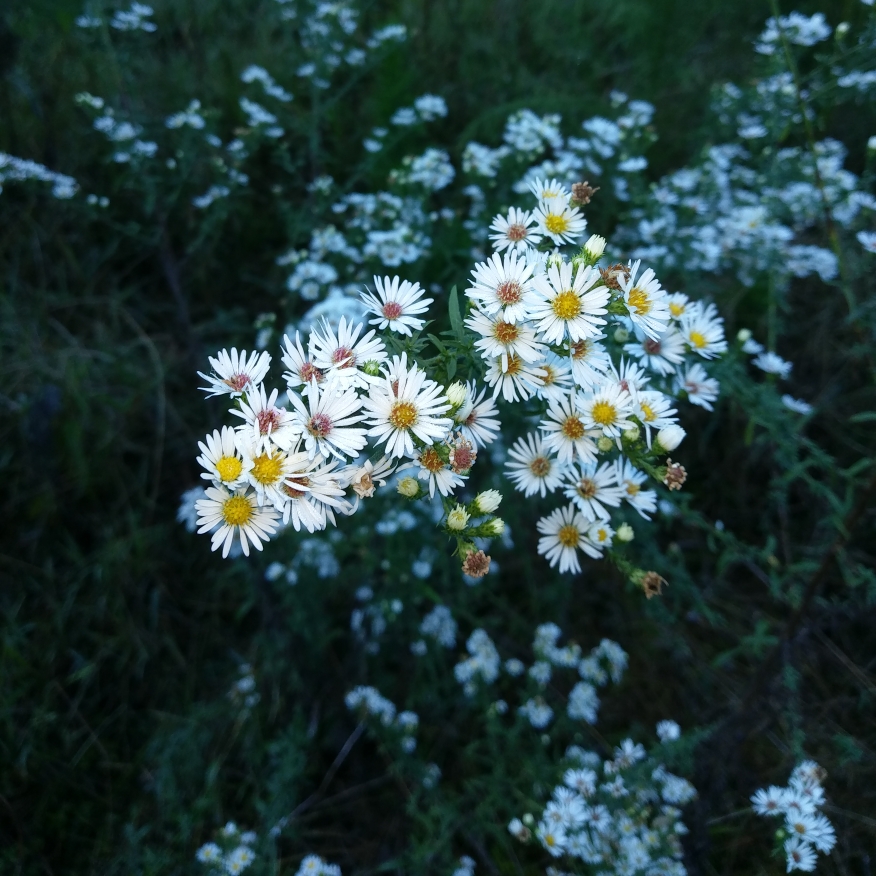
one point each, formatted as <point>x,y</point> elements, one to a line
<point>456,393</point>
<point>842,29</point>
<point>604,444</point>
<point>669,437</point>
<point>625,533</point>
<point>409,488</point>
<point>372,368</point>
<point>743,335</point>
<point>457,519</point>
<point>631,433</point>
<point>621,335</point>
<point>486,502</point>
<point>594,247</point>
<point>528,819</point>
<point>871,143</point>
<point>496,526</point>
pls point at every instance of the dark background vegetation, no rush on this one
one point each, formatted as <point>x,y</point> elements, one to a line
<point>121,632</point>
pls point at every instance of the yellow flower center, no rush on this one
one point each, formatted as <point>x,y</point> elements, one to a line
<point>515,364</point>
<point>586,488</point>
<point>566,305</point>
<point>549,376</point>
<point>639,301</point>
<point>540,466</point>
<point>556,223</point>
<point>648,413</point>
<point>266,469</point>
<point>601,534</point>
<point>698,340</point>
<point>580,350</point>
<point>403,415</point>
<point>604,413</point>
<point>573,428</point>
<point>431,461</point>
<point>228,468</point>
<point>237,511</point>
<point>506,332</point>
<point>676,309</point>
<point>632,489</point>
<point>568,536</point>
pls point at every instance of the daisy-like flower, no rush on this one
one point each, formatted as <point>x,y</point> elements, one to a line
<point>630,377</point>
<point>592,488</point>
<point>646,301</point>
<point>701,389</point>
<point>630,480</point>
<point>678,304</point>
<point>590,361</point>
<point>655,412</point>
<point>800,855</point>
<point>607,410</point>
<point>556,375</point>
<point>396,305</point>
<point>569,308</point>
<point>514,232</point>
<point>503,285</point>
<point>772,363</point>
<point>264,423</point>
<point>476,418</point>
<point>365,478</point>
<point>543,189</point>
<point>209,853</point>
<point>405,406</point>
<point>599,537</point>
<point>236,513</point>
<point>221,458</point>
<point>266,468</point>
<point>559,221</point>
<point>703,330</point>
<point>533,469</point>
<point>239,860</point>
<point>311,490</point>
<point>437,472</point>
<point>234,373</point>
<point>552,837</point>
<point>567,436</point>
<point>504,339</point>
<point>797,405</point>
<point>328,422</point>
<point>662,355</point>
<point>302,370</point>
<point>769,801</point>
<point>564,532</point>
<point>343,356</point>
<point>517,377</point>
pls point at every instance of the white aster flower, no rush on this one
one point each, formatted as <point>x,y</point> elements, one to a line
<point>799,855</point>
<point>437,472</point>
<point>662,355</point>
<point>556,375</point>
<point>569,308</point>
<point>533,469</point>
<point>239,860</point>
<point>209,853</point>
<point>503,285</point>
<point>544,189</point>
<point>678,303</point>
<point>517,377</point>
<point>769,801</point>
<point>265,424</point>
<point>514,232</point>
<point>567,435</point>
<point>564,532</point>
<point>701,389</point>
<point>592,489</point>
<point>668,731</point>
<point>396,305</point>
<point>221,458</point>
<point>235,513</point>
<point>365,478</point>
<point>302,370</point>
<point>590,361</point>
<point>703,330</point>
<point>630,480</point>
<point>559,221</point>
<point>328,422</point>
<point>646,301</point>
<point>476,417</point>
<point>599,537</point>
<point>343,356</point>
<point>607,410</point>
<point>405,406</point>
<point>797,405</point>
<point>311,491</point>
<point>235,373</point>
<point>655,411</point>
<point>503,339</point>
<point>772,363</point>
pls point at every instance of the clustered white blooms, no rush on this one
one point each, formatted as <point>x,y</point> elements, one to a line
<point>806,831</point>
<point>370,703</point>
<point>232,855</point>
<point>598,356</point>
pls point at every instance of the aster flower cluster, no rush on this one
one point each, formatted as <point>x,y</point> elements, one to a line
<point>622,813</point>
<point>805,831</point>
<point>231,855</point>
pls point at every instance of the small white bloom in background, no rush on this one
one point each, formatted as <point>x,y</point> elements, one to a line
<point>209,853</point>
<point>772,363</point>
<point>670,437</point>
<point>797,405</point>
<point>867,239</point>
<point>668,731</point>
